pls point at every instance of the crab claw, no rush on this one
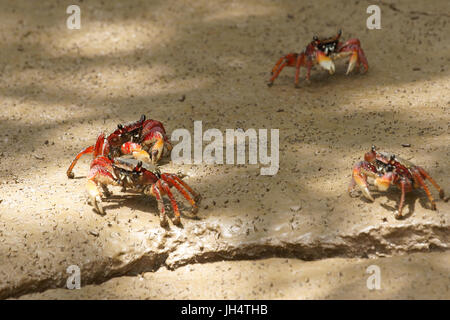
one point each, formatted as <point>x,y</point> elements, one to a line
<point>383,182</point>
<point>136,150</point>
<point>359,177</point>
<point>142,155</point>
<point>94,196</point>
<point>325,62</point>
<point>157,148</point>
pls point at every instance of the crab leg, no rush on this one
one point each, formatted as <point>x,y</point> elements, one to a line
<point>163,185</point>
<point>277,65</point>
<point>197,197</point>
<point>171,181</point>
<point>309,65</point>
<point>88,150</point>
<point>419,180</point>
<point>300,62</point>
<point>275,75</point>
<point>402,198</point>
<point>289,60</point>
<point>425,174</point>
<point>154,191</point>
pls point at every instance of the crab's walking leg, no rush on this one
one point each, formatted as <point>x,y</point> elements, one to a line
<point>197,197</point>
<point>309,65</point>
<point>300,62</point>
<point>425,175</point>
<point>163,185</point>
<point>275,75</point>
<point>418,177</point>
<point>421,182</point>
<point>88,150</point>
<point>289,60</point>
<point>402,199</point>
<point>172,182</point>
<point>277,65</point>
<point>154,191</point>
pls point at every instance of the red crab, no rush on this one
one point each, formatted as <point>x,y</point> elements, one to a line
<point>134,174</point>
<point>132,139</point>
<point>322,52</point>
<point>387,169</point>
<point>150,180</point>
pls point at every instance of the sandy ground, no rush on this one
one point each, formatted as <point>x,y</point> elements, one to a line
<point>417,276</point>
<point>59,88</point>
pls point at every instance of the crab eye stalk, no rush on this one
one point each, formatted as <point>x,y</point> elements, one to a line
<point>120,126</point>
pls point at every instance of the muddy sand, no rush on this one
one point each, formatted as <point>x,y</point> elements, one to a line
<point>293,235</point>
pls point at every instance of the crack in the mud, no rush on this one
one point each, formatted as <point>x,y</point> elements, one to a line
<point>368,243</point>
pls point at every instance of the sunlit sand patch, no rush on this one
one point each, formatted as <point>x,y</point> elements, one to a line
<point>102,38</point>
<point>239,10</point>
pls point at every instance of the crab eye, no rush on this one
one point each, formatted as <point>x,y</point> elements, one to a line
<point>120,126</point>
<point>339,32</point>
<point>315,38</point>
<point>143,118</point>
